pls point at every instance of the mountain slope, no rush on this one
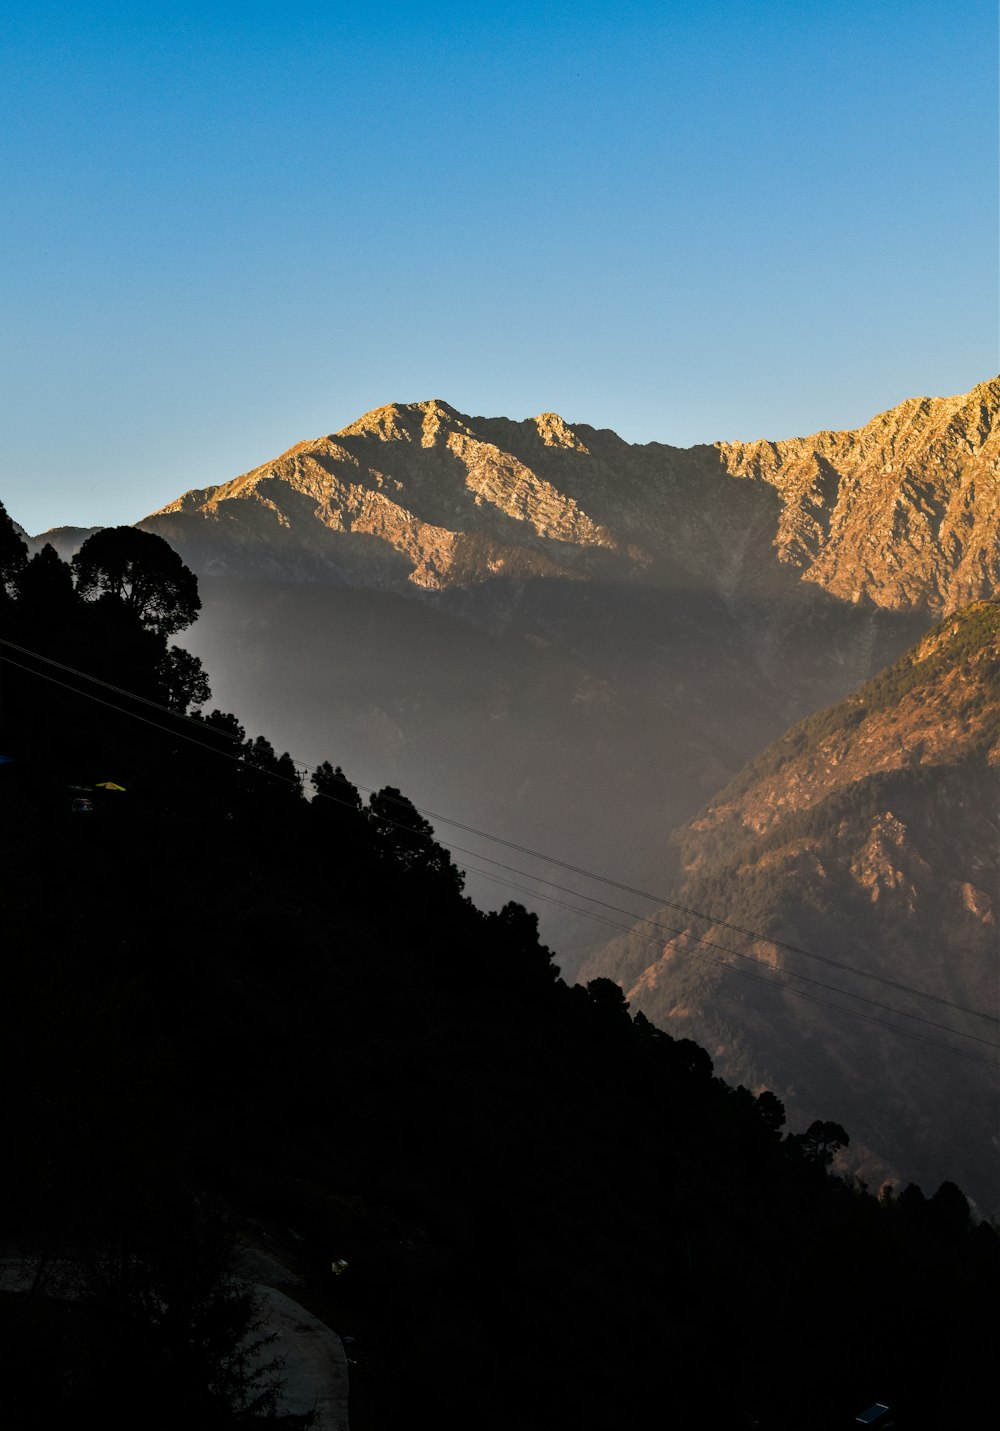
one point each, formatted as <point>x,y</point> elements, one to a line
<point>868,835</point>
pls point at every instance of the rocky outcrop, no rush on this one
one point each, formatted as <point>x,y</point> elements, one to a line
<point>904,512</point>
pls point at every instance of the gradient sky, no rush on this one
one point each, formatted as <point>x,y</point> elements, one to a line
<point>228,227</point>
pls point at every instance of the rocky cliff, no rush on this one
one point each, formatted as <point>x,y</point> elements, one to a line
<point>904,512</point>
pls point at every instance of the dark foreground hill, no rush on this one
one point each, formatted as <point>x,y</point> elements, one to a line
<point>227,1000</point>
<point>867,835</point>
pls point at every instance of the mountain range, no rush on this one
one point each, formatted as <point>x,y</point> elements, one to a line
<point>574,643</point>
<point>900,514</point>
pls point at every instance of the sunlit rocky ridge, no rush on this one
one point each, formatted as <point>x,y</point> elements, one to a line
<point>902,513</point>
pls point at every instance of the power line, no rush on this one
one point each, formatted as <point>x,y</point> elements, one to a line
<point>790,988</point>
<point>134,715</point>
<point>658,899</point>
<point>665,903</point>
<point>777,983</point>
<point>617,909</point>
<point>748,933</point>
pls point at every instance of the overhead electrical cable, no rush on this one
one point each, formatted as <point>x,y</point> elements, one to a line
<point>287,780</point>
<point>536,854</point>
<point>780,979</point>
<point>578,894</point>
<point>666,903</point>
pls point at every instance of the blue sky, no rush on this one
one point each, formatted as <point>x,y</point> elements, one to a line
<point>229,227</point>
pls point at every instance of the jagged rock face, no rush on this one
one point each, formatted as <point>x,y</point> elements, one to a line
<point>903,513</point>
<point>867,835</point>
<point>433,504</point>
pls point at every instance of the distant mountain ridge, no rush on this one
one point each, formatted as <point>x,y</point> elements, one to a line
<point>67,541</point>
<point>902,513</point>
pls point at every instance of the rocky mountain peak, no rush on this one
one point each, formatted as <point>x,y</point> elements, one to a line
<point>554,432</point>
<point>902,513</point>
<point>406,422</point>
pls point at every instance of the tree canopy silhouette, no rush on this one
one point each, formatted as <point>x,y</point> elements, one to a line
<point>821,1140</point>
<point>183,679</point>
<point>13,552</point>
<point>143,572</point>
<point>44,585</point>
<point>403,836</point>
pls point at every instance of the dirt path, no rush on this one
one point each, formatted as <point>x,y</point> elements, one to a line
<point>315,1372</point>
<point>315,1364</point>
